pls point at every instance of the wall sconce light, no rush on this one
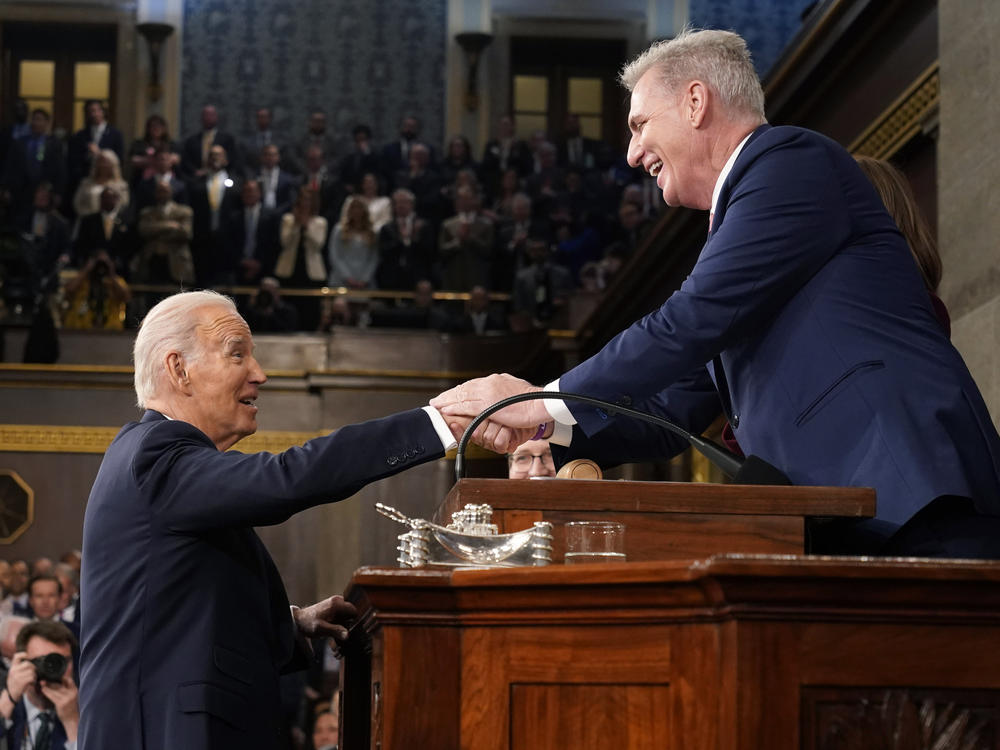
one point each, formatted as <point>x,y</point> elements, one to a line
<point>473,42</point>
<point>155,35</point>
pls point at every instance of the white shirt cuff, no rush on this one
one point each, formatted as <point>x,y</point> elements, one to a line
<point>441,428</point>
<point>557,408</point>
<point>562,434</point>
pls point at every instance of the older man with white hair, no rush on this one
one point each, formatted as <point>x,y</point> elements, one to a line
<point>805,320</point>
<point>187,627</point>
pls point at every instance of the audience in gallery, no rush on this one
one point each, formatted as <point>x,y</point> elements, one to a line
<point>142,153</point>
<point>40,612</point>
<point>213,210</point>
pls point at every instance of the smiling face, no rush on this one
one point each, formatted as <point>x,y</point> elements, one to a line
<point>663,141</point>
<point>223,379</point>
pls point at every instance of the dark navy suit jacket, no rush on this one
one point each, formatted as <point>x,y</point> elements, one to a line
<point>15,734</point>
<point>806,321</point>
<point>187,626</point>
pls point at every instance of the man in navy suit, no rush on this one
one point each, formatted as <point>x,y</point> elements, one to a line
<point>804,320</point>
<point>40,714</point>
<point>187,626</point>
<point>87,142</point>
<point>196,149</point>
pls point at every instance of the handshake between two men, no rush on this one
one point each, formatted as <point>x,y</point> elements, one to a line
<point>504,430</point>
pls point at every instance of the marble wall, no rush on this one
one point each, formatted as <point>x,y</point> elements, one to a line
<point>968,193</point>
<point>360,62</point>
<point>372,61</point>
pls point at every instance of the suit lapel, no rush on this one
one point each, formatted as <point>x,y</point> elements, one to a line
<point>727,186</point>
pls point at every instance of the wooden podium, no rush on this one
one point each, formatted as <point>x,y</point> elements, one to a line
<point>742,652</point>
<point>718,634</point>
<point>665,520</point>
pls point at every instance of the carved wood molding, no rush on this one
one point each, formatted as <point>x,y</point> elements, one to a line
<point>30,438</point>
<point>838,718</point>
<point>34,438</point>
<point>903,119</point>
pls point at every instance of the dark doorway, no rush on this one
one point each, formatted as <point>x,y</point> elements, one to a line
<point>552,78</point>
<point>57,66</point>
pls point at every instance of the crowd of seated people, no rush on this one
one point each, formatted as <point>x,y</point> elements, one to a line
<point>40,613</point>
<point>531,221</point>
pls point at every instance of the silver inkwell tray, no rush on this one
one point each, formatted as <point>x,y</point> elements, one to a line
<point>471,539</point>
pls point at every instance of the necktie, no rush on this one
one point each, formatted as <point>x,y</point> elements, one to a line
<point>711,219</point>
<point>213,191</point>
<point>43,737</point>
<point>109,222</point>
<point>250,241</point>
<point>206,144</point>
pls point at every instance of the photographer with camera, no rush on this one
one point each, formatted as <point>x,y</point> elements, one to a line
<point>39,702</point>
<point>96,297</point>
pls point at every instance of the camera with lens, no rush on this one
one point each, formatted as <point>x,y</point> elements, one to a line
<point>50,668</point>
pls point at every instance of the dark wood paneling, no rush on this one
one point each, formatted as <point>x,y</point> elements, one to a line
<point>741,652</point>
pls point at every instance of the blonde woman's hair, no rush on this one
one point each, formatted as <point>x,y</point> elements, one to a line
<point>363,226</point>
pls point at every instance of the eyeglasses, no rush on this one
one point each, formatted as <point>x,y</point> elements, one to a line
<point>524,460</point>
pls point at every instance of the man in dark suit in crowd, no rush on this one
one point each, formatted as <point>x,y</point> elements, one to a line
<point>405,245</point>
<point>465,244</point>
<point>196,148</point>
<point>252,234</point>
<point>575,150</point>
<point>187,626</point>
<point>214,196</point>
<point>17,128</point>
<point>512,241</point>
<point>317,135</point>
<point>504,151</point>
<point>47,233</point>
<point>421,179</point>
<point>32,159</point>
<point>396,154</point>
<point>105,230</point>
<point>479,315</point>
<point>145,193</point>
<point>361,160</point>
<point>823,348</point>
<point>322,181</point>
<point>39,708</point>
<point>263,136</point>
<point>277,187</point>
<point>86,143</point>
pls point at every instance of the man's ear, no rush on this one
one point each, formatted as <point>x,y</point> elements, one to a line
<point>696,102</point>
<point>177,372</point>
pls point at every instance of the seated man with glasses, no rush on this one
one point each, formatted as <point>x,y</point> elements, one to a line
<point>531,459</point>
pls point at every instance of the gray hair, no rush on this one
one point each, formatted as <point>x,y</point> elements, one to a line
<point>719,58</point>
<point>169,327</point>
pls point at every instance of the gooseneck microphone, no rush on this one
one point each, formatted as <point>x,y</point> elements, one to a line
<point>749,470</point>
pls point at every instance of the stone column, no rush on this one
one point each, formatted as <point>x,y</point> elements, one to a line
<point>968,192</point>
